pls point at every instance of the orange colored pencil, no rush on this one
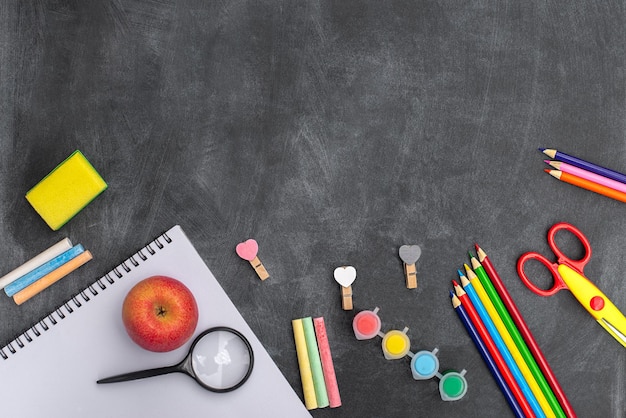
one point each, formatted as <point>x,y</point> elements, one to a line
<point>586,184</point>
<point>51,278</point>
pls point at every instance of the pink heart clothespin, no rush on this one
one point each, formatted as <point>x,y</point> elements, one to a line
<point>248,251</point>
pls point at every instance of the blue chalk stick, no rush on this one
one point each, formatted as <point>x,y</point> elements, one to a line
<point>39,272</point>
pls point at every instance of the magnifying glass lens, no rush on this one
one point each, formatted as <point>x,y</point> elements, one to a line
<point>221,360</point>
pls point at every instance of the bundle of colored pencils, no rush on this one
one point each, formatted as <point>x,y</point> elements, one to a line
<point>503,339</point>
<point>586,175</point>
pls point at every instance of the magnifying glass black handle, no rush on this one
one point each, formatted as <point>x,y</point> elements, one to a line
<point>141,374</point>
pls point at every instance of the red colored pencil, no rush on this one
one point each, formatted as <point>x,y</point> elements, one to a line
<point>493,350</point>
<point>525,331</point>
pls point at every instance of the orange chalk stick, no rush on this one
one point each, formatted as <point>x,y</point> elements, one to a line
<point>51,278</point>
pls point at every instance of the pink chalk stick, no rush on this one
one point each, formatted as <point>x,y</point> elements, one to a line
<point>327,363</point>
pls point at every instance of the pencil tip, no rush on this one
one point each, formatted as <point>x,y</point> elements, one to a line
<point>554,173</point>
<point>459,272</point>
<point>454,283</point>
<point>452,294</point>
<point>549,152</point>
<point>541,149</point>
<point>481,253</point>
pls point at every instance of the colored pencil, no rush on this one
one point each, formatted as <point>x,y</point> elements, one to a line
<point>58,248</point>
<point>493,350</point>
<point>515,334</point>
<point>585,165</point>
<point>588,175</point>
<point>498,334</point>
<point>484,352</point>
<point>51,278</point>
<point>310,402</point>
<point>548,374</point>
<point>315,361</point>
<point>327,363</point>
<point>586,184</point>
<point>39,272</point>
<point>508,340</point>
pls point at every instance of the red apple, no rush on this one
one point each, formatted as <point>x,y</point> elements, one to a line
<point>160,313</point>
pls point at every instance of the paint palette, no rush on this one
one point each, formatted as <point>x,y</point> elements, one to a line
<point>396,345</point>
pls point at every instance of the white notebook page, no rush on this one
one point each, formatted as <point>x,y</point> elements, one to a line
<point>55,375</point>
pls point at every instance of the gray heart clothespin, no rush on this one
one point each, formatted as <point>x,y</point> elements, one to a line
<point>409,255</point>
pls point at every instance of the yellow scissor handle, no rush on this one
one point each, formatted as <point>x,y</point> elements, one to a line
<point>596,302</point>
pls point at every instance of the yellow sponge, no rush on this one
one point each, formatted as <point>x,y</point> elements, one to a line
<point>66,190</point>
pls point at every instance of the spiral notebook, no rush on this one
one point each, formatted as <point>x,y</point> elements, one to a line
<point>51,370</point>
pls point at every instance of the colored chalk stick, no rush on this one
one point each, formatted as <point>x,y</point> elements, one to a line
<point>316,363</point>
<point>66,190</point>
<point>51,278</point>
<point>58,248</point>
<point>31,277</point>
<point>334,399</point>
<point>310,401</point>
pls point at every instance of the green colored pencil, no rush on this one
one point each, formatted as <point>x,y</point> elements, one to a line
<point>517,338</point>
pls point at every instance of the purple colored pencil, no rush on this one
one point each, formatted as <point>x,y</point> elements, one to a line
<point>585,165</point>
<point>482,349</point>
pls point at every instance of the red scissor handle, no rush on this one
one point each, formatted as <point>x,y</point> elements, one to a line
<point>577,265</point>
<point>558,283</point>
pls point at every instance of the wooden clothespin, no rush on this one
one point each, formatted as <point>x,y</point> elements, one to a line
<point>345,276</point>
<point>409,255</point>
<point>248,251</point>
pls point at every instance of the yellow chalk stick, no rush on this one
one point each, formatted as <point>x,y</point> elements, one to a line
<point>310,401</point>
<point>66,190</point>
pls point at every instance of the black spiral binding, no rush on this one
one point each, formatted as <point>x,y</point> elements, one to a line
<point>84,296</point>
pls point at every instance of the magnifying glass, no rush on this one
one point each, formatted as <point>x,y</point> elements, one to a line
<point>220,360</point>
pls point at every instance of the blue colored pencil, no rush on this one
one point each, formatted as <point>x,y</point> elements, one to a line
<point>482,349</point>
<point>36,274</point>
<point>585,165</point>
<point>500,344</point>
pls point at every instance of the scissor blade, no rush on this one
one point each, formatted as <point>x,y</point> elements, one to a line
<point>617,334</point>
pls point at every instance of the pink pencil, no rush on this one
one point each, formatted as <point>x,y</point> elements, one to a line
<point>327,363</point>
<point>588,175</point>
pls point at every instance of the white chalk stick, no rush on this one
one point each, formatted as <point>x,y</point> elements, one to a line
<point>33,263</point>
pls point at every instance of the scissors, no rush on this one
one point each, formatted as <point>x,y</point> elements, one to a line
<point>568,274</point>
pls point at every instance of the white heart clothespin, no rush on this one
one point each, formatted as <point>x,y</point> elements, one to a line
<point>345,276</point>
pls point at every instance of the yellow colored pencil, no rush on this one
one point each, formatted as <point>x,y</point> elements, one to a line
<point>508,341</point>
<point>310,401</point>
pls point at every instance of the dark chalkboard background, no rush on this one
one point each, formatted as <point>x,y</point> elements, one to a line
<point>333,133</point>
